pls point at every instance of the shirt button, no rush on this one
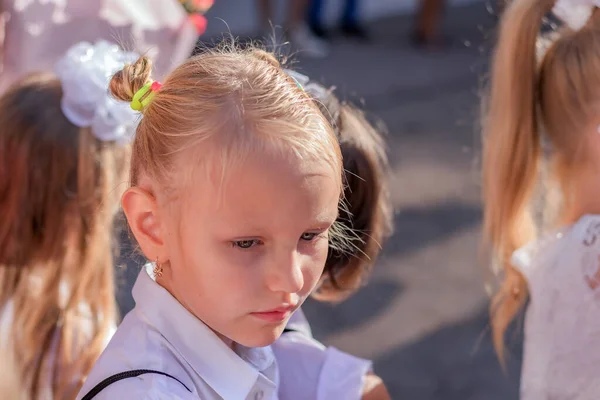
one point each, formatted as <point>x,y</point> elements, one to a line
<point>259,395</point>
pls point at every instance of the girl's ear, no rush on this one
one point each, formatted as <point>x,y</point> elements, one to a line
<point>141,210</point>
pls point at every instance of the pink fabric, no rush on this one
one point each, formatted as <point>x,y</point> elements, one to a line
<point>37,32</point>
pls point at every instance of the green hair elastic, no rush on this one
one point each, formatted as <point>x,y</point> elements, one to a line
<point>297,83</point>
<point>142,97</point>
<point>298,78</point>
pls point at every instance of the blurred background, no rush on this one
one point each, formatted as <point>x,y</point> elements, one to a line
<point>419,68</point>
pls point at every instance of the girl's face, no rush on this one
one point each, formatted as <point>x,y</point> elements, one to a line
<point>246,252</point>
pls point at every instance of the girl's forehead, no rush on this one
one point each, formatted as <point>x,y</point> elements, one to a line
<point>220,162</point>
<point>257,186</point>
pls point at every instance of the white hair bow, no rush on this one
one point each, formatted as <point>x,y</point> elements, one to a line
<point>575,13</point>
<point>314,89</point>
<point>85,72</point>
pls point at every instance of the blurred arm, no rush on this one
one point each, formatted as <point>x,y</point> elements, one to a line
<point>374,389</point>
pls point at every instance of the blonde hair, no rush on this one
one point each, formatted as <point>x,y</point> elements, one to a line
<point>242,99</point>
<point>555,93</point>
<point>221,94</point>
<point>58,198</point>
<point>11,386</point>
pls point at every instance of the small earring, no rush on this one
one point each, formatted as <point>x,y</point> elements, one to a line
<point>516,292</point>
<point>158,270</point>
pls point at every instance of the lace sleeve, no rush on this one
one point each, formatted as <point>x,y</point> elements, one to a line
<point>538,252</point>
<point>523,259</point>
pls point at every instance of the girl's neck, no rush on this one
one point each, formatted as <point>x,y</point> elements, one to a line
<point>584,196</point>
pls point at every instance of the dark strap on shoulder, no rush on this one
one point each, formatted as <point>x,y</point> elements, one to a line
<point>124,375</point>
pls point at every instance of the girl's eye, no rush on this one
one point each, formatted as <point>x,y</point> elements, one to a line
<point>245,244</point>
<point>309,236</point>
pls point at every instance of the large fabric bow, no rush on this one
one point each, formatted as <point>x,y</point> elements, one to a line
<point>85,72</point>
<point>575,13</point>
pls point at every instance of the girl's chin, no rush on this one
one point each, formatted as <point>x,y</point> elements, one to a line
<point>261,337</point>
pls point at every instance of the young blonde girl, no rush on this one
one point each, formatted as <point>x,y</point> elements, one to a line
<point>63,155</point>
<point>367,212</point>
<point>546,91</point>
<point>236,178</point>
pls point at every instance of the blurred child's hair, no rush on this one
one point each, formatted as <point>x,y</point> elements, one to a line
<point>242,100</point>
<point>554,92</point>
<point>58,198</point>
<point>11,386</point>
<point>367,211</point>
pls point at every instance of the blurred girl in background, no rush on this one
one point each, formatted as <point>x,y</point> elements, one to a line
<point>36,34</point>
<point>63,160</point>
<point>543,112</point>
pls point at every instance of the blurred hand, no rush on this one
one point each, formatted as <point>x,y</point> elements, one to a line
<point>374,389</point>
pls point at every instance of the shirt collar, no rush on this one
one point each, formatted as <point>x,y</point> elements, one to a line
<point>215,362</point>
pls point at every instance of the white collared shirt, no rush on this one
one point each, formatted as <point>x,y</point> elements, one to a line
<point>310,371</point>
<point>160,334</point>
<point>562,329</point>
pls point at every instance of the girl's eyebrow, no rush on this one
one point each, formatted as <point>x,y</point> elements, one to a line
<point>326,217</point>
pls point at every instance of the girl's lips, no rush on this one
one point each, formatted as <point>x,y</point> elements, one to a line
<point>275,315</point>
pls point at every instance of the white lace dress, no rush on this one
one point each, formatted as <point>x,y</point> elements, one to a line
<point>562,325</point>
<point>34,34</point>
